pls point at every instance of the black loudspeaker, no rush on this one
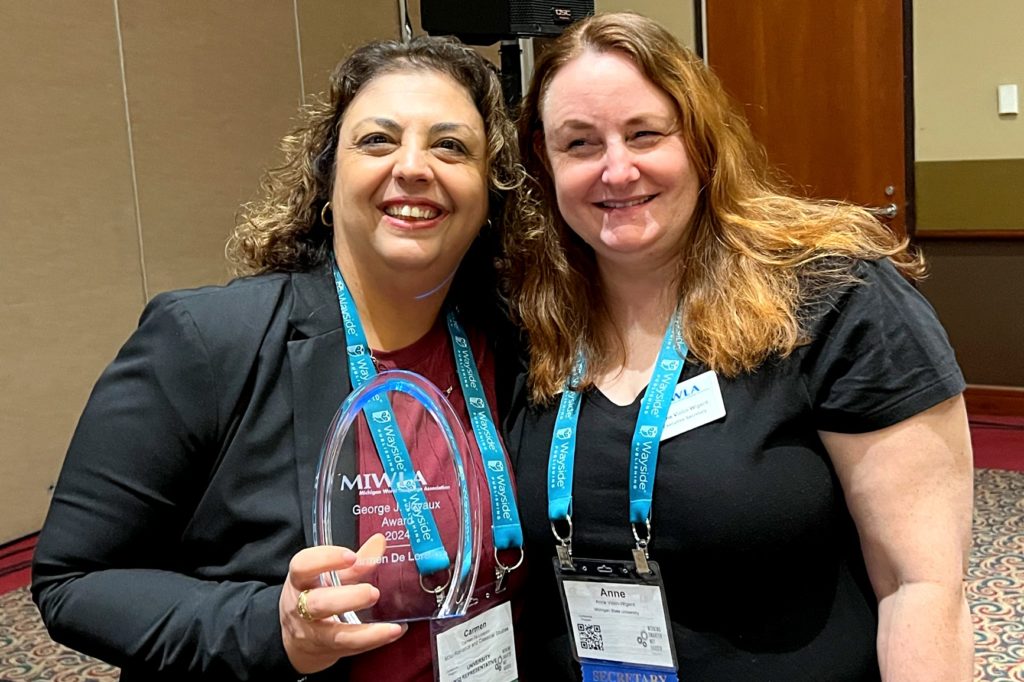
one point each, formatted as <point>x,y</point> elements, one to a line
<point>482,22</point>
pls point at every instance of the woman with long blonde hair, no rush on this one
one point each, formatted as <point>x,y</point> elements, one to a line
<point>732,390</point>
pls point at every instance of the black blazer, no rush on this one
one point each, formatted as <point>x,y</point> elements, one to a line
<point>188,484</point>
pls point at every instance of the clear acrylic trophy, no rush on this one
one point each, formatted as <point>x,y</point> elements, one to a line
<point>395,479</point>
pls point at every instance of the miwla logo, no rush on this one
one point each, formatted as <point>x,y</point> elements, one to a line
<point>404,481</point>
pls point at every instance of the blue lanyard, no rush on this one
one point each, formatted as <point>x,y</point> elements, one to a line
<point>424,538</point>
<point>505,527</point>
<point>426,543</point>
<point>646,436</point>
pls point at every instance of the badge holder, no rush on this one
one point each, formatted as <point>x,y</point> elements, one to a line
<point>479,647</point>
<point>618,617</point>
<point>417,508</point>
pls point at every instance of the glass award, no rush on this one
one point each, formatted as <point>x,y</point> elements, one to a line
<point>394,481</point>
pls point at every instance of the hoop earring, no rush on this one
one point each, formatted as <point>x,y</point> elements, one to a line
<point>486,228</point>
<point>323,215</point>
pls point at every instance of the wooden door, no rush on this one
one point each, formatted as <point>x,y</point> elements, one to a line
<point>823,86</point>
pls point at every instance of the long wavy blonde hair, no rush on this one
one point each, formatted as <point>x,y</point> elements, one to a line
<point>754,255</point>
<point>282,231</point>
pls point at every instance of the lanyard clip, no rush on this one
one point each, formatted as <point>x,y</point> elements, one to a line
<point>640,555</point>
<point>564,552</point>
<point>640,559</point>
<point>439,590</point>
<point>564,548</point>
<point>501,571</point>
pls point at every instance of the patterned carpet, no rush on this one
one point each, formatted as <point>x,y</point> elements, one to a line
<point>995,590</point>
<point>26,653</point>
<point>995,579</point>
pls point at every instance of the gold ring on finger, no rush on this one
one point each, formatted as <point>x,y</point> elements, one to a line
<point>303,606</point>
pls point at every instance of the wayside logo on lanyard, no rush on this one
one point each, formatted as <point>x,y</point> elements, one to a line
<point>617,610</point>
<point>411,501</point>
<point>481,648</point>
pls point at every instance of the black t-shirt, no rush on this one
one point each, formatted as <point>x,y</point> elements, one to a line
<point>763,569</point>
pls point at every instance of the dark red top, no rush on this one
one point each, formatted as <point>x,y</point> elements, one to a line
<point>410,658</point>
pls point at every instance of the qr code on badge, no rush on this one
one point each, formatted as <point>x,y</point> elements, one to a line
<point>590,637</point>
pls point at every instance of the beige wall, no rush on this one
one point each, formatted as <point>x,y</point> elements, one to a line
<point>69,264</point>
<point>962,51</point>
<point>677,15</point>
<point>117,184</point>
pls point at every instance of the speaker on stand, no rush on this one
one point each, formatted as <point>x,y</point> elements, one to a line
<point>484,22</point>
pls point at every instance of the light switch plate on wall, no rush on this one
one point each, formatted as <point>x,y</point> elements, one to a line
<point>1008,101</point>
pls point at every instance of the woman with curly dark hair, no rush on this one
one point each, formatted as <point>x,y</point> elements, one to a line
<point>174,546</point>
<point>765,415</point>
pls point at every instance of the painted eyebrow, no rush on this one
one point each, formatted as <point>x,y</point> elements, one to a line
<point>437,129</point>
<point>385,123</point>
<point>441,128</point>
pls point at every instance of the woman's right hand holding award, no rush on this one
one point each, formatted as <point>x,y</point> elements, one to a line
<point>313,636</point>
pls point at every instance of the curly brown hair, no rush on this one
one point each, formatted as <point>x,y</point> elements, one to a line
<point>754,258</point>
<point>282,231</point>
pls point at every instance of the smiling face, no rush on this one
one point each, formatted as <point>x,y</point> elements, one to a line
<point>622,176</point>
<point>410,189</point>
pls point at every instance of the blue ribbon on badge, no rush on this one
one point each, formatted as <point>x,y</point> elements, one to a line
<point>594,671</point>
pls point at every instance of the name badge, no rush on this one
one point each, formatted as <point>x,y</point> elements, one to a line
<point>695,402</point>
<point>479,649</point>
<point>618,616</point>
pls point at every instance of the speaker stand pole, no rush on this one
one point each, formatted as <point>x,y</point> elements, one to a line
<point>404,22</point>
<point>526,63</point>
<point>511,74</point>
